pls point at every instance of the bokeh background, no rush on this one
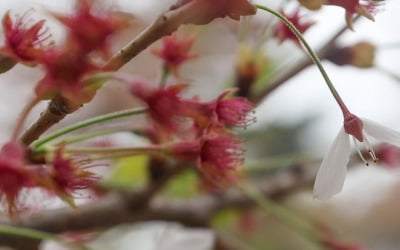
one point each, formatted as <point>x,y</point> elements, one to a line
<point>299,117</point>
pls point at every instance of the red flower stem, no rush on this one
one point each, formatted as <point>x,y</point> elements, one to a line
<point>21,119</point>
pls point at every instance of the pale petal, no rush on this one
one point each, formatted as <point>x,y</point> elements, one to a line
<point>381,133</point>
<point>332,172</point>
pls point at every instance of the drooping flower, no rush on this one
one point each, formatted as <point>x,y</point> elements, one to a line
<point>282,32</point>
<point>204,11</point>
<point>365,8</point>
<point>25,43</point>
<point>15,175</point>
<point>332,172</point>
<point>175,52</point>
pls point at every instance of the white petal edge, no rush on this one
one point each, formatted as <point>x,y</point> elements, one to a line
<point>332,172</point>
<point>381,133</point>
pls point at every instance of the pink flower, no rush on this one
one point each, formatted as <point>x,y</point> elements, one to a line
<point>67,67</point>
<point>220,158</point>
<point>388,155</point>
<point>283,32</point>
<point>365,8</point>
<point>24,43</point>
<point>217,155</point>
<point>165,106</point>
<point>175,52</point>
<point>15,175</point>
<point>67,176</point>
<point>90,27</point>
<point>234,111</point>
<point>177,115</point>
<point>64,75</point>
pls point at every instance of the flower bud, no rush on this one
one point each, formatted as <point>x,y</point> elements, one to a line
<point>312,4</point>
<point>6,63</point>
<point>361,55</point>
<point>249,65</point>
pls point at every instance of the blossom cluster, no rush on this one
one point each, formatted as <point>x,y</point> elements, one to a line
<point>193,130</point>
<point>65,69</point>
<point>65,65</point>
<point>186,129</point>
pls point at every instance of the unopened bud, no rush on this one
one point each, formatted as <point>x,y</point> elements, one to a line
<point>249,66</point>
<point>6,63</point>
<point>361,55</point>
<point>312,4</point>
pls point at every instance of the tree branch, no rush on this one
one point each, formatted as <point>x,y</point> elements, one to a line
<point>60,107</point>
<point>322,53</point>
<point>119,207</point>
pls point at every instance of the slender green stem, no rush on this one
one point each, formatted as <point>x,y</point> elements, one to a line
<point>87,136</point>
<point>281,213</point>
<point>132,151</point>
<point>165,72</point>
<point>273,163</point>
<point>38,235</point>
<point>89,122</point>
<point>312,54</point>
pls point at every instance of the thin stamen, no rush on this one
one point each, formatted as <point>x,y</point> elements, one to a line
<point>359,152</point>
<point>371,151</point>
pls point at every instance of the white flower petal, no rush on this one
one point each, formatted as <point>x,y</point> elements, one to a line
<point>332,172</point>
<point>381,133</point>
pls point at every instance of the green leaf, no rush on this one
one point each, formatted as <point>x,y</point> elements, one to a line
<point>226,218</point>
<point>129,172</point>
<point>184,185</point>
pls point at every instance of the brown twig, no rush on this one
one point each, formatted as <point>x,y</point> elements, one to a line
<point>60,107</point>
<point>121,207</point>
